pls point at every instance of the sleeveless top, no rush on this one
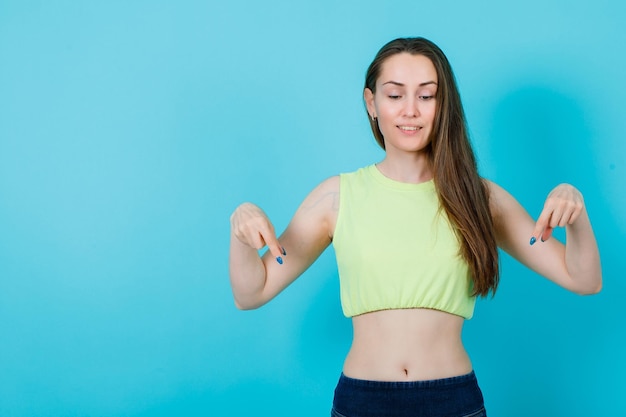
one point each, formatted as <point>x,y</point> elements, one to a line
<point>396,248</point>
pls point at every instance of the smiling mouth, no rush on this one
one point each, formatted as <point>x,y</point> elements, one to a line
<point>409,128</point>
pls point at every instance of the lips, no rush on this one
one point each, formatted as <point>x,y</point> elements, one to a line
<point>409,128</point>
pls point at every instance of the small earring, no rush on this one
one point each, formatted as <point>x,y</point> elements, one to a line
<point>374,119</point>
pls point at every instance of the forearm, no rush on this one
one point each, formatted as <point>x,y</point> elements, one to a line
<point>247,274</point>
<point>582,257</point>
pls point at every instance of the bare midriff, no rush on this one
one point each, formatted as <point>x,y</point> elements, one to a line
<point>407,345</point>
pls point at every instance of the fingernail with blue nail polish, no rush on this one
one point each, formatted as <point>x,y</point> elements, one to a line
<point>279,260</point>
<point>532,241</point>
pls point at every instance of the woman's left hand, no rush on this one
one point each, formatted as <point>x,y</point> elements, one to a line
<point>562,207</point>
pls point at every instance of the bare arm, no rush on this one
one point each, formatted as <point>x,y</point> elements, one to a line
<point>575,265</point>
<point>256,280</point>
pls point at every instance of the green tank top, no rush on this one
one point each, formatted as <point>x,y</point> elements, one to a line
<point>396,249</point>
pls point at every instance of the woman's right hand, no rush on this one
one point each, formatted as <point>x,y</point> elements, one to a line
<point>251,226</point>
<point>257,279</point>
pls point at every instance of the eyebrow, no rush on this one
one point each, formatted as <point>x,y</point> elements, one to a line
<point>402,85</point>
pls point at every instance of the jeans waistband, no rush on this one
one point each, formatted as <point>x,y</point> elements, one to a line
<point>469,378</point>
<point>454,396</point>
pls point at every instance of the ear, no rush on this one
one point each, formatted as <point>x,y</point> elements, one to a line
<point>368,96</point>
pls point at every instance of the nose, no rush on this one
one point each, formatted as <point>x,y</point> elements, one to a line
<point>411,108</point>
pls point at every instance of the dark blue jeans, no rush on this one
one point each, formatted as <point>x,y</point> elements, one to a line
<point>457,396</point>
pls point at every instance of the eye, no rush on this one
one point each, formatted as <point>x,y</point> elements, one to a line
<point>426,98</point>
<point>394,97</point>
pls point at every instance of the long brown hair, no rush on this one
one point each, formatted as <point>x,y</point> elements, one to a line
<point>462,193</point>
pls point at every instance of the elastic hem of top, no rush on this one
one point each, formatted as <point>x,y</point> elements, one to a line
<point>411,308</point>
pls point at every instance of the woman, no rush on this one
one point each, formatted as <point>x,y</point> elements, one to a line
<point>416,239</point>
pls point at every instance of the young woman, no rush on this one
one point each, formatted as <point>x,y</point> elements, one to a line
<point>416,239</point>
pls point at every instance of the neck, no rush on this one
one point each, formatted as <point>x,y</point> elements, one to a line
<point>412,168</point>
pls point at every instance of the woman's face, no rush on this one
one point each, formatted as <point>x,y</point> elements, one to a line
<point>404,102</point>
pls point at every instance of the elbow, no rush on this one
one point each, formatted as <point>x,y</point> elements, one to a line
<point>246,306</point>
<point>590,290</point>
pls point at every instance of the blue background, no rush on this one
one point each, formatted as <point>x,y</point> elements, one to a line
<point>130,130</point>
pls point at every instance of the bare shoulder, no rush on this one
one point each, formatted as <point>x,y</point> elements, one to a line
<point>513,225</point>
<point>324,197</point>
<point>330,184</point>
<point>499,199</point>
<point>318,211</point>
<point>494,189</point>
